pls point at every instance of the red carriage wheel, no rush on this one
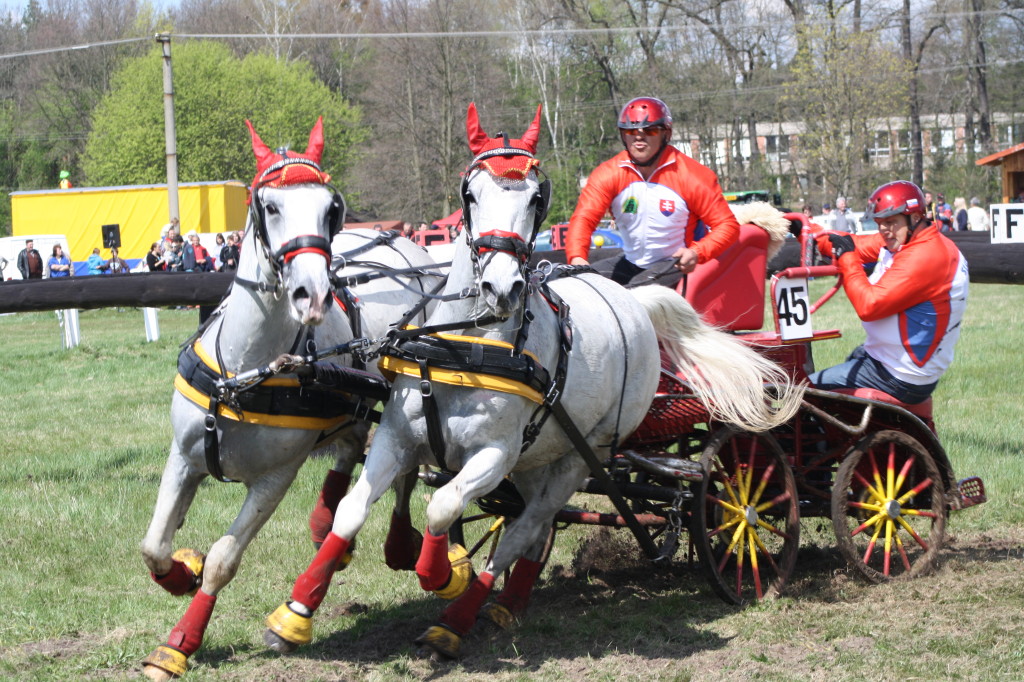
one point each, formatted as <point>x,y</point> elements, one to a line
<point>745,521</point>
<point>888,507</point>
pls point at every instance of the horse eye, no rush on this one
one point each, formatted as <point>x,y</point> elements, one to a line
<point>272,209</point>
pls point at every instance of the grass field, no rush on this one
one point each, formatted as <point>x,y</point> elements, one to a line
<point>85,438</point>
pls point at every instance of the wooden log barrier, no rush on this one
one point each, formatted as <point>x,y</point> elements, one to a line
<point>149,289</point>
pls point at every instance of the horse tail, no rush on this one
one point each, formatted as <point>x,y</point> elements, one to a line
<point>727,375</point>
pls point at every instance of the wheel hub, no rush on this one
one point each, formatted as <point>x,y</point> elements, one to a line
<point>892,509</point>
<point>750,514</point>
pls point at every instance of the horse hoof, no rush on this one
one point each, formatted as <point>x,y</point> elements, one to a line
<point>462,574</point>
<point>194,561</point>
<point>439,641</point>
<point>287,630</point>
<point>164,664</point>
<point>498,615</point>
<point>278,644</point>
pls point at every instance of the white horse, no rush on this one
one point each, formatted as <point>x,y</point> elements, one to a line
<point>610,378</point>
<point>281,300</point>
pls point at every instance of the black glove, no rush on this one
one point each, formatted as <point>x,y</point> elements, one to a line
<point>841,243</point>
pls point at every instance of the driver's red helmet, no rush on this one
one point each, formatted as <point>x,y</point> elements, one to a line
<point>895,198</point>
<point>644,112</point>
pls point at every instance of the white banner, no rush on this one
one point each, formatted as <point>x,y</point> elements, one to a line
<point>1007,222</point>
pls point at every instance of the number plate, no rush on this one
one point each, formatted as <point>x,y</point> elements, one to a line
<point>794,309</point>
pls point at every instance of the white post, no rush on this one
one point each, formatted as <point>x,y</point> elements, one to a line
<point>70,334</point>
<point>152,324</point>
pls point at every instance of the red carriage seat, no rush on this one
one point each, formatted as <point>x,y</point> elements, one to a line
<point>922,410</point>
<point>728,291</point>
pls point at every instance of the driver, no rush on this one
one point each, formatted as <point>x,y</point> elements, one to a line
<point>911,305</point>
<point>669,207</point>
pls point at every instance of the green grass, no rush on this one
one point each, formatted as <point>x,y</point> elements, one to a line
<point>84,442</point>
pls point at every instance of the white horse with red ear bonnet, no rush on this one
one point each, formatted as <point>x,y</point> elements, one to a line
<point>484,426</point>
<point>281,299</point>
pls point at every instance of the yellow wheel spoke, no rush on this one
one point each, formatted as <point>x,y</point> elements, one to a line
<point>873,521</point>
<point>765,477</point>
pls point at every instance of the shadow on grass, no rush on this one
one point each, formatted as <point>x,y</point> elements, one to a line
<point>617,605</point>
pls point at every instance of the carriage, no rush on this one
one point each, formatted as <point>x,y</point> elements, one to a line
<point>873,465</point>
<point>539,375</point>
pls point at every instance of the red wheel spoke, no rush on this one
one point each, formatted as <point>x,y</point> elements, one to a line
<point>877,494</point>
<point>765,477</point>
<point>903,474</point>
<point>773,530</point>
<point>754,567</point>
<point>777,500</point>
<point>870,522</point>
<point>915,490</point>
<point>767,555</point>
<point>903,553</point>
<point>913,533</point>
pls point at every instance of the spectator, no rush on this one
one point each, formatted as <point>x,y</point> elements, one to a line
<point>116,265</point>
<point>912,304</point>
<point>669,208</point>
<point>195,257</point>
<point>943,213</point>
<point>65,180</point>
<point>229,254</point>
<point>840,223</point>
<point>59,264</point>
<point>155,258</point>
<point>95,263</point>
<point>826,209</point>
<point>807,211</point>
<point>173,256</point>
<point>169,232</point>
<point>407,230</point>
<point>959,214</point>
<point>977,217</point>
<point>30,263</point>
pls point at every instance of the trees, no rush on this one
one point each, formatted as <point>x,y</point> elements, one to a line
<point>214,92</point>
<point>841,79</point>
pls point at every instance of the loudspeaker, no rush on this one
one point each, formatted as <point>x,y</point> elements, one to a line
<point>111,236</point>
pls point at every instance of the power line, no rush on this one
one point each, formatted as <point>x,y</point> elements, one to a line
<point>419,35</point>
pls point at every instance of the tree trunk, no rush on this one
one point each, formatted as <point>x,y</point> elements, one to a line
<point>917,151</point>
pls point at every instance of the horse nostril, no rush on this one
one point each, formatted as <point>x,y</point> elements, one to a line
<point>516,291</point>
<point>487,289</point>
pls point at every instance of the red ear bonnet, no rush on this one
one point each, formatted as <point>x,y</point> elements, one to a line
<point>284,167</point>
<point>514,166</point>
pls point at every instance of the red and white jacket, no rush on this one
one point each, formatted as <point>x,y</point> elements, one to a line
<point>912,304</point>
<point>656,217</point>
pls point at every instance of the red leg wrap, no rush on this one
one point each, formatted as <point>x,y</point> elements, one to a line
<point>178,581</point>
<point>399,551</point>
<point>311,587</point>
<point>433,566</point>
<point>516,594</point>
<point>187,635</point>
<point>461,613</point>
<point>322,519</point>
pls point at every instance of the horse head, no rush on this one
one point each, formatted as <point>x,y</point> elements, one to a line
<point>504,202</point>
<point>294,213</point>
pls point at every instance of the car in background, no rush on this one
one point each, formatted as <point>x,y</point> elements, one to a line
<point>602,238</point>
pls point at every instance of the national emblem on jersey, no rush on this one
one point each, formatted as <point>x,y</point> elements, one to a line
<point>667,207</point>
<point>630,206</point>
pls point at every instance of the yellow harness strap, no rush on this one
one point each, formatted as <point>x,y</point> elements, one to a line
<point>391,366</point>
<point>279,420</point>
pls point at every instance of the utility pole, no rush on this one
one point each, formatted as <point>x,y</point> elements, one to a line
<point>170,144</point>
